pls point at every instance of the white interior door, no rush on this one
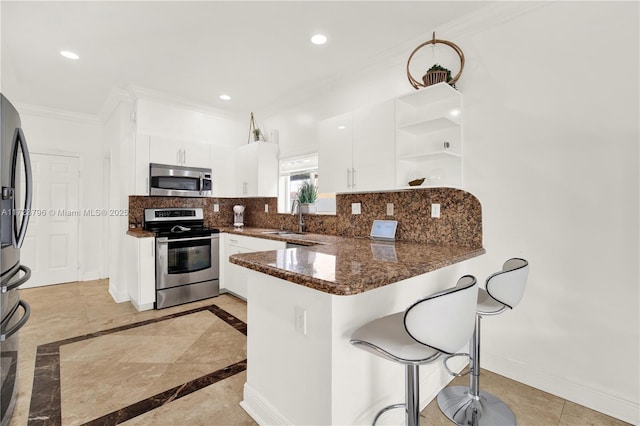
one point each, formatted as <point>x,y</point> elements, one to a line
<point>50,248</point>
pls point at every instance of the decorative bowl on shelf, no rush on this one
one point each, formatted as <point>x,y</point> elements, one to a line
<point>416,182</point>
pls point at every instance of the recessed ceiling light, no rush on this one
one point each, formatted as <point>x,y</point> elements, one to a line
<point>69,55</point>
<point>319,39</point>
<point>225,97</point>
<point>342,127</point>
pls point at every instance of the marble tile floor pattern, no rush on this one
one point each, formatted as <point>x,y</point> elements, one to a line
<point>178,366</point>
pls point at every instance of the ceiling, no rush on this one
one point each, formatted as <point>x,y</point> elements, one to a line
<point>257,52</point>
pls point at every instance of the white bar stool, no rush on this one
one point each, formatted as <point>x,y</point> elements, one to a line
<point>469,405</point>
<point>439,323</point>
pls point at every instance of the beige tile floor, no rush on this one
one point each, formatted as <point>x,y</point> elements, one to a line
<point>149,358</point>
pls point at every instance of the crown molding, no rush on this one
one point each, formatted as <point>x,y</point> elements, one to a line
<point>116,96</point>
<point>139,92</point>
<point>58,114</point>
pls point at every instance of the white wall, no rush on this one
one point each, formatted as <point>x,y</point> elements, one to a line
<point>551,151</point>
<point>48,133</point>
<point>119,136</point>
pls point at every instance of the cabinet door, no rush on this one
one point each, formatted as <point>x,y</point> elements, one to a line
<point>247,170</point>
<point>165,150</point>
<point>236,276</point>
<point>196,154</point>
<point>257,170</point>
<point>374,147</point>
<point>335,153</point>
<point>223,171</point>
<point>268,169</point>
<point>147,272</point>
<point>141,272</point>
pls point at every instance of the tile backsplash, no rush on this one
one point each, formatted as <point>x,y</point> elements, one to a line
<point>460,220</point>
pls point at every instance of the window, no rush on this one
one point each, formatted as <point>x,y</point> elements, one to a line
<point>293,172</point>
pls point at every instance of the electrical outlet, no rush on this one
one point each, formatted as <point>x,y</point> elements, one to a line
<point>216,208</point>
<point>389,209</point>
<point>266,208</point>
<point>435,210</point>
<point>300,320</point>
<point>355,208</point>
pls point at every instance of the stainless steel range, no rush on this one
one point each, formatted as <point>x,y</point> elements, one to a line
<point>187,264</point>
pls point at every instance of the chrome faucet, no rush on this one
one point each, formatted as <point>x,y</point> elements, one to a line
<point>293,212</point>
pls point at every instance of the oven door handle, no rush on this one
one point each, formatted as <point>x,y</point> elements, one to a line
<point>165,240</point>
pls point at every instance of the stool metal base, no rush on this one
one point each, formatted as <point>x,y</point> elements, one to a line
<point>460,407</point>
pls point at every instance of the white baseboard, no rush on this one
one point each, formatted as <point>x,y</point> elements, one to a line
<point>580,393</point>
<point>143,307</point>
<point>260,409</point>
<point>118,297</point>
<point>90,276</point>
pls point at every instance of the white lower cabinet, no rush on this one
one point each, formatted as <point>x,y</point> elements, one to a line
<point>233,278</point>
<point>141,275</point>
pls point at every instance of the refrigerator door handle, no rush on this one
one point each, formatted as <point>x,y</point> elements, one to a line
<point>22,321</point>
<point>27,274</point>
<point>22,143</point>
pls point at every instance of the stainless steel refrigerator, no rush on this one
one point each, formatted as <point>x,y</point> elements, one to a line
<point>15,171</point>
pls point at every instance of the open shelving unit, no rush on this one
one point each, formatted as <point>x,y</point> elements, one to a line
<point>429,137</point>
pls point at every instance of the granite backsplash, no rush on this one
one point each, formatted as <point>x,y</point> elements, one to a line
<point>460,221</point>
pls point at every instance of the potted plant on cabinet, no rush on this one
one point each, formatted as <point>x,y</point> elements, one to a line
<point>307,195</point>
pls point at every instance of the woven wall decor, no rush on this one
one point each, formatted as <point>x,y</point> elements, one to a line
<point>436,74</point>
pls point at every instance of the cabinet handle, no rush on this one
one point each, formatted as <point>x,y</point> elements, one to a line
<point>353,178</point>
<point>244,188</point>
<point>184,156</point>
<point>348,178</point>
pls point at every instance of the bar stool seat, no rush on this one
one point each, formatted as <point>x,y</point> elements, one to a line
<point>439,323</point>
<point>469,405</point>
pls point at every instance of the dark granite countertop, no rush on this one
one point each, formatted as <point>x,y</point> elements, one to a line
<point>347,266</point>
<point>341,265</point>
<point>140,233</point>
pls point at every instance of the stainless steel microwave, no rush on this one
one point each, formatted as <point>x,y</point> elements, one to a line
<point>179,181</point>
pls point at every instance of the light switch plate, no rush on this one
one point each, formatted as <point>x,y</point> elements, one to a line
<point>216,208</point>
<point>435,210</point>
<point>355,208</point>
<point>389,209</point>
<point>266,208</point>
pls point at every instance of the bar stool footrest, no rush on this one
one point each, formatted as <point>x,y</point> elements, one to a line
<point>385,409</point>
<point>452,373</point>
<point>460,407</point>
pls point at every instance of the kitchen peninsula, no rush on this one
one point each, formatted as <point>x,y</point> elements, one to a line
<point>303,305</point>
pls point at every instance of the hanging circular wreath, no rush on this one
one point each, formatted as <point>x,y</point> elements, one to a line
<point>437,73</point>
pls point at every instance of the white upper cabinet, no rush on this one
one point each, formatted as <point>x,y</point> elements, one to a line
<point>257,170</point>
<point>335,153</point>
<point>179,152</point>
<point>429,137</point>
<point>223,171</point>
<point>356,150</point>
<point>374,147</point>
